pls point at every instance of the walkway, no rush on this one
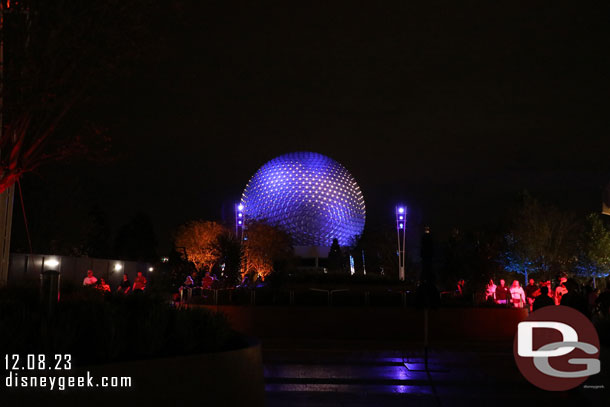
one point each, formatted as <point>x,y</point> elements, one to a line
<point>458,375</point>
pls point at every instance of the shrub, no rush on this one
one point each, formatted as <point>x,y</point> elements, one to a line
<point>98,329</point>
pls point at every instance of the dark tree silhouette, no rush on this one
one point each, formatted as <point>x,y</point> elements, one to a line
<point>97,239</point>
<point>58,54</point>
<point>136,240</point>
<point>229,247</point>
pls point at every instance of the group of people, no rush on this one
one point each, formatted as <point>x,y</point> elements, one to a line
<point>124,287</point>
<point>539,295</point>
<point>186,289</point>
<point>533,296</point>
<point>504,295</point>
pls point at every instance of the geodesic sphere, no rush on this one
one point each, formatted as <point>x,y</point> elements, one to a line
<point>310,196</point>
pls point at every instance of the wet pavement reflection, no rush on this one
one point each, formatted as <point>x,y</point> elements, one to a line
<point>468,376</point>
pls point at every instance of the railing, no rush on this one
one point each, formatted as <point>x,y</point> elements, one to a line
<point>315,296</point>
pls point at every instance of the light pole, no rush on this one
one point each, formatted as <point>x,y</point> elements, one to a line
<point>401,226</point>
<point>49,283</point>
<point>240,224</point>
<point>240,220</point>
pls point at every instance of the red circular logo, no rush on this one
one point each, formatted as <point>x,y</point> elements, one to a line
<point>557,348</point>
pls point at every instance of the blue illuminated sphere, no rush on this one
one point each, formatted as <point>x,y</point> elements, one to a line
<point>310,196</point>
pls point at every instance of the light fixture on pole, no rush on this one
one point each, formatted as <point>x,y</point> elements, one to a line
<point>240,221</point>
<point>401,227</point>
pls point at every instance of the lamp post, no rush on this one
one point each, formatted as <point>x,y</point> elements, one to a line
<point>240,220</point>
<point>401,226</point>
<point>49,284</point>
<point>240,225</point>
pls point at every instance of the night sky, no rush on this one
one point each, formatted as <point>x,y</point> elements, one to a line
<point>451,107</point>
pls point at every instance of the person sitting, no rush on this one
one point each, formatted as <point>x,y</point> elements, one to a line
<point>103,286</point>
<point>517,295</point>
<point>140,283</point>
<point>188,282</point>
<point>502,293</point>
<point>125,286</point>
<point>490,291</point>
<point>186,289</point>
<point>543,299</point>
<point>207,281</point>
<point>90,280</point>
<point>531,292</point>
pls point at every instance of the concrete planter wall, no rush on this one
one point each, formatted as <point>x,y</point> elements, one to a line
<point>231,378</point>
<point>374,323</point>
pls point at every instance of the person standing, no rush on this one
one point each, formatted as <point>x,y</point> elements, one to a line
<point>517,295</point>
<point>549,290</point>
<point>531,292</point>
<point>90,280</point>
<point>560,290</point>
<point>140,283</point>
<point>103,286</point>
<point>490,291</point>
<point>543,299</point>
<point>502,293</point>
<point>125,286</point>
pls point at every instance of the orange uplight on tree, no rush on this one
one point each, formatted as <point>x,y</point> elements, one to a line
<point>265,245</point>
<point>199,238</point>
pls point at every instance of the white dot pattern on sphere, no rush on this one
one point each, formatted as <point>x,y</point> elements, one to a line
<point>310,196</point>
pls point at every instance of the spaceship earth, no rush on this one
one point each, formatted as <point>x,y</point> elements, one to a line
<point>310,196</point>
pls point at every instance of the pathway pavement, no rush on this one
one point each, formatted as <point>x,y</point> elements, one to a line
<point>467,374</point>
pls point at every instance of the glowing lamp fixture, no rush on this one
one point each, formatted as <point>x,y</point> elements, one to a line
<point>118,267</point>
<point>151,269</point>
<point>51,263</point>
<point>401,213</point>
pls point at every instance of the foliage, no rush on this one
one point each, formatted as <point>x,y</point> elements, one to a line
<point>136,240</point>
<point>379,245</point>
<point>200,240</point>
<point>541,239</point>
<point>470,256</point>
<point>98,329</point>
<point>594,257</point>
<point>229,247</point>
<point>97,233</point>
<point>54,65</point>
<point>265,247</point>
<point>177,268</point>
